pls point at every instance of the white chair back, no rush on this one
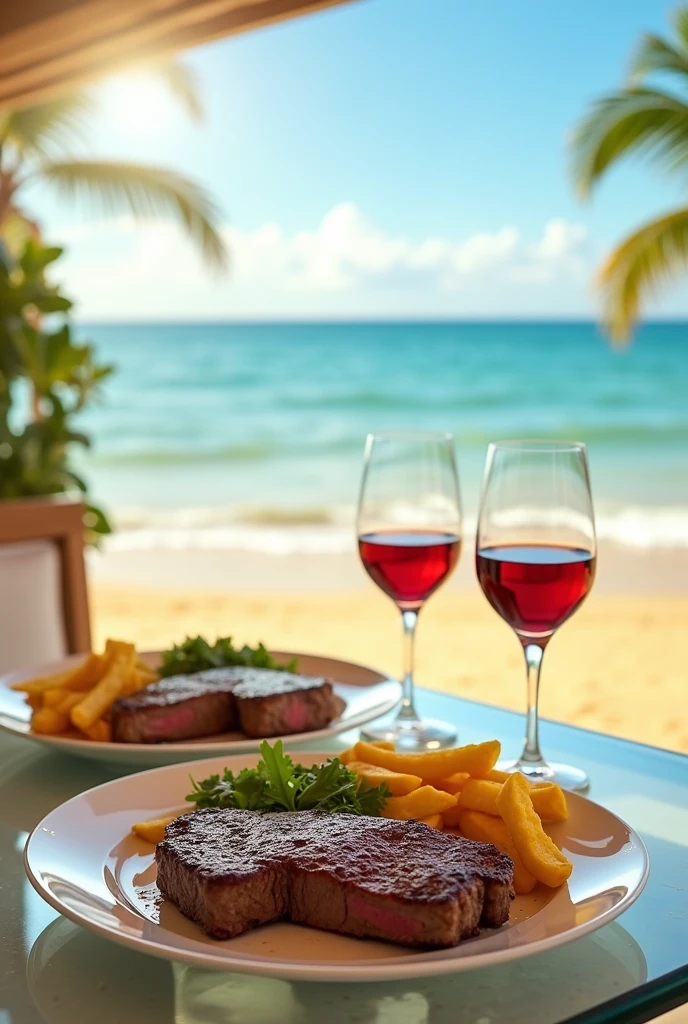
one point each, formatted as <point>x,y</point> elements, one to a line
<point>32,628</point>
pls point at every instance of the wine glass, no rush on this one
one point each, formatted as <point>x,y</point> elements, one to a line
<point>409,540</point>
<point>535,560</point>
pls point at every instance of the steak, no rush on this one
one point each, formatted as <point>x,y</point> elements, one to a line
<point>177,708</point>
<point>402,881</point>
<point>279,703</point>
<point>260,702</point>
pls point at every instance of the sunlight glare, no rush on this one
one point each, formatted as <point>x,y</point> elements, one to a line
<point>136,101</point>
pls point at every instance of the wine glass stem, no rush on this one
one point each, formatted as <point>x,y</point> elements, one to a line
<point>407,711</point>
<point>531,751</point>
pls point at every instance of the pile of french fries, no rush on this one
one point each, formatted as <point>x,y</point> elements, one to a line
<point>460,790</point>
<point>80,699</point>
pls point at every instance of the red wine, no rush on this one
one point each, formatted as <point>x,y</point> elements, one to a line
<point>535,587</point>
<point>409,565</point>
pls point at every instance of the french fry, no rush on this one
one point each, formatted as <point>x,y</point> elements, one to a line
<point>484,828</point>
<point>476,759</point>
<point>433,820</point>
<point>453,783</point>
<point>83,677</point>
<point>495,776</point>
<point>549,801</point>
<point>539,853</point>
<point>421,803</point>
<point>137,681</point>
<point>68,701</point>
<point>153,831</point>
<point>112,647</point>
<point>88,674</point>
<point>350,753</point>
<point>53,696</point>
<point>34,700</point>
<point>480,795</point>
<point>40,684</point>
<point>49,721</point>
<point>96,703</point>
<point>100,731</point>
<point>397,784</point>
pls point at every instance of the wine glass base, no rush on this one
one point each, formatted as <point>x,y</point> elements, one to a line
<point>413,734</point>
<point>572,779</point>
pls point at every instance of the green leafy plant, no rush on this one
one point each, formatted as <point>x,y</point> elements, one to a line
<point>42,144</point>
<point>62,376</point>
<point>196,654</point>
<point>277,784</point>
<point>648,119</point>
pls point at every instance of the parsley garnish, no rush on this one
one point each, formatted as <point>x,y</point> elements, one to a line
<point>195,654</point>
<point>277,784</point>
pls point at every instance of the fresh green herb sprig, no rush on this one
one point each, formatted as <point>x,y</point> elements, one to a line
<point>195,654</point>
<point>277,784</point>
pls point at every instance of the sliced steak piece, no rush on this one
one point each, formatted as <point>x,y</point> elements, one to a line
<point>279,703</point>
<point>262,702</point>
<point>370,877</point>
<point>177,708</point>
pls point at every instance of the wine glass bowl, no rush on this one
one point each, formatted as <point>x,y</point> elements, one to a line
<point>535,587</point>
<point>409,565</point>
<point>409,541</point>
<point>536,560</point>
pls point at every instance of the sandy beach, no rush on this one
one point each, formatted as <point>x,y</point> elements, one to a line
<point>619,666</point>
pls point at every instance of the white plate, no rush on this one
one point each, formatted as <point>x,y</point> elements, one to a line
<point>367,693</point>
<point>84,861</point>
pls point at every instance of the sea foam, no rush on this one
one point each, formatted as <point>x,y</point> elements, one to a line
<point>321,531</point>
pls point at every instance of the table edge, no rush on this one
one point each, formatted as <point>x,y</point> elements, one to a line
<point>640,1001</point>
<point>635,744</point>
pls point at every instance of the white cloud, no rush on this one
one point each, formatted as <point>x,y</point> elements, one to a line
<point>345,250</point>
<point>345,265</point>
<point>480,252</point>
<point>560,252</point>
<point>560,239</point>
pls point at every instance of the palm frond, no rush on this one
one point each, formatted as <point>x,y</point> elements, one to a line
<point>641,120</point>
<point>183,83</point>
<point>144,192</point>
<point>657,55</point>
<point>45,129</point>
<point>680,22</point>
<point>639,267</point>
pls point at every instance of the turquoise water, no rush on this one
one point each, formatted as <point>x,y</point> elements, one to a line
<point>207,425</point>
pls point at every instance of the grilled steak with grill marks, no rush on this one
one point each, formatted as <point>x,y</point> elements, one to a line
<point>260,702</point>
<point>401,881</point>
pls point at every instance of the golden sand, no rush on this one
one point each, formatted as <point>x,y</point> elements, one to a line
<point>619,666</point>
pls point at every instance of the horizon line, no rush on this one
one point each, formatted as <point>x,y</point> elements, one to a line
<point>373,321</point>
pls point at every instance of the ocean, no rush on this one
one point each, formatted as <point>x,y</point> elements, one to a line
<point>251,435</point>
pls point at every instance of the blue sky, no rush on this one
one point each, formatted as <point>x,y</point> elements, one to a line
<point>385,158</point>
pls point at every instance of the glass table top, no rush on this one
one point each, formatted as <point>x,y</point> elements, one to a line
<point>633,969</point>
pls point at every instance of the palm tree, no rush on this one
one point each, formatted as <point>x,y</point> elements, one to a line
<point>36,144</point>
<point>645,119</point>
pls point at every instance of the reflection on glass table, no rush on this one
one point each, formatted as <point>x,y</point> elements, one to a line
<point>66,960</point>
